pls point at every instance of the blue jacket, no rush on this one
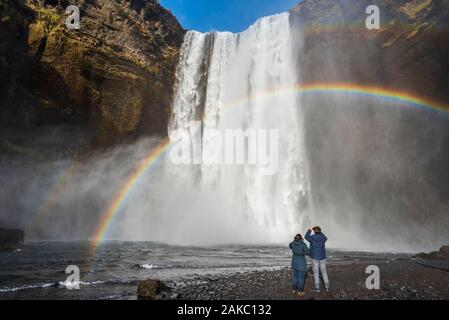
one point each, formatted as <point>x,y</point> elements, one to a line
<point>299,250</point>
<point>317,245</point>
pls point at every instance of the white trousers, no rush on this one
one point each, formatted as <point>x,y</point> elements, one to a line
<point>317,266</point>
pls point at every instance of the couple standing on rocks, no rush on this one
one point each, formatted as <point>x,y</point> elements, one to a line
<point>317,252</point>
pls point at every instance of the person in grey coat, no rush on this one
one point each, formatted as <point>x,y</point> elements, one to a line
<point>299,264</point>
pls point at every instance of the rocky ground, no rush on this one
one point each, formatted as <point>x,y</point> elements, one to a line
<point>405,279</point>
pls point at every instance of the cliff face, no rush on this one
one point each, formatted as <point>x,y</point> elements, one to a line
<point>109,81</point>
<point>112,80</point>
<point>409,52</point>
<point>371,160</point>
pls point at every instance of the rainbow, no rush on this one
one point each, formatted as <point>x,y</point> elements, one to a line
<point>49,200</point>
<point>119,198</point>
<point>396,96</point>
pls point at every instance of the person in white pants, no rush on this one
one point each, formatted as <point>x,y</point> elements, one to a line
<point>320,265</point>
<point>318,255</point>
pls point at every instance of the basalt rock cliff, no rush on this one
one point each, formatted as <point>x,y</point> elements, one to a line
<point>112,80</point>
<point>410,51</point>
<point>67,90</point>
<point>370,155</point>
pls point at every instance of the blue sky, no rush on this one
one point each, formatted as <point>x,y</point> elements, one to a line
<point>224,15</point>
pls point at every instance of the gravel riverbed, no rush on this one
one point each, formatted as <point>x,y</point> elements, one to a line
<point>399,280</point>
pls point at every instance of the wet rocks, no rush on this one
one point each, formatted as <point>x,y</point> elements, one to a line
<point>445,250</point>
<point>10,239</point>
<point>152,289</point>
<point>442,254</point>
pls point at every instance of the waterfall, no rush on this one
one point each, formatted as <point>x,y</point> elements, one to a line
<point>223,82</point>
<point>370,170</point>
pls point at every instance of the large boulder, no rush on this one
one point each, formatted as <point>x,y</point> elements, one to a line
<point>151,289</point>
<point>445,250</point>
<point>443,254</point>
<point>10,239</point>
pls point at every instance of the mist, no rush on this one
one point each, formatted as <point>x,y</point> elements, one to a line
<point>372,173</point>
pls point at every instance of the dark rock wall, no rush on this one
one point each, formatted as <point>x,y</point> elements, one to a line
<point>375,166</point>
<point>409,52</point>
<point>108,82</point>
